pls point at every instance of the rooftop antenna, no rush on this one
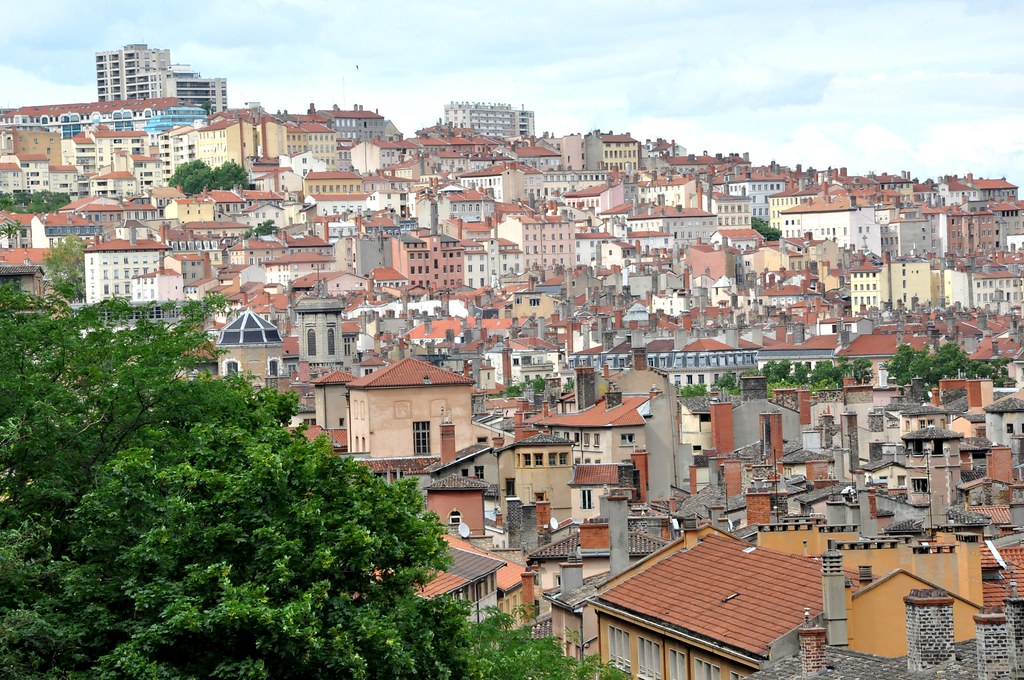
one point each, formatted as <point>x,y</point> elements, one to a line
<point>463,530</point>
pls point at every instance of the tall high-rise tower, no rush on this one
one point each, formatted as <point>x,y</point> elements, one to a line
<point>139,72</point>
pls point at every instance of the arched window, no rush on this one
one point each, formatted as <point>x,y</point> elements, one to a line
<point>231,367</point>
<point>311,342</point>
<point>272,368</point>
<point>330,342</point>
<point>454,518</point>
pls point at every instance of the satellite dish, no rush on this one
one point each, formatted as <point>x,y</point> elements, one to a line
<point>463,530</point>
<point>553,524</point>
<point>675,524</point>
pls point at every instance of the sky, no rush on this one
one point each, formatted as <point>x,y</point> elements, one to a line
<point>933,88</point>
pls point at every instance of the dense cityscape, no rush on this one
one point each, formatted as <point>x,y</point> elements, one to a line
<point>302,394</point>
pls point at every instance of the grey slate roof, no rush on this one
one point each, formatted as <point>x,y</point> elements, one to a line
<point>1006,405</point>
<point>640,545</point>
<point>844,664</point>
<point>932,433</point>
<point>459,483</point>
<point>249,328</point>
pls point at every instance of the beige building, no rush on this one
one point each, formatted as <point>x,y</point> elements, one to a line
<point>608,151</point>
<point>398,410</point>
<point>251,345</point>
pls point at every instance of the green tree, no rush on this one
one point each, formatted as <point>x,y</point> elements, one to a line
<point>34,202</point>
<point>908,363</point>
<point>761,226</point>
<point>229,176</point>
<point>502,651</point>
<point>826,376</point>
<point>65,265</point>
<point>265,228</point>
<point>193,177</point>
<point>164,527</point>
<point>727,382</point>
<point>949,361</point>
<point>698,390</point>
<point>778,372</point>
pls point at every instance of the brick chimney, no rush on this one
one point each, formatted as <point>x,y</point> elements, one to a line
<point>543,515</point>
<point>992,635</point>
<point>594,536</point>
<point>929,628</point>
<point>1013,607</point>
<point>759,506</point>
<point>586,387</point>
<point>530,591</point>
<point>722,427</point>
<point>733,476</point>
<point>447,442</point>
<point>804,403</point>
<point>771,436</point>
<point>639,358</point>
<point>640,464</point>
<point>813,641</point>
<point>999,464</point>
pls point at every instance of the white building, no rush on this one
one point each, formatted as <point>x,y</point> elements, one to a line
<point>490,120</point>
<point>111,267</point>
<point>139,72</point>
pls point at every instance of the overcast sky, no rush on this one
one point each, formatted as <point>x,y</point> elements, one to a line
<point>930,87</point>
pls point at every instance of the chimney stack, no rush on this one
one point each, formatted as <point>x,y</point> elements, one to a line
<point>834,596</point>
<point>618,533</point>
<point>929,628</point>
<point>447,441</point>
<point>992,635</point>
<point>813,641</point>
<point>722,430</point>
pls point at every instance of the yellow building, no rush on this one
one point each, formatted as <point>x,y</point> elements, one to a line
<point>784,200</point>
<point>239,140</point>
<point>195,209</point>
<point>893,283</point>
<point>398,410</point>
<point>317,183</point>
<point>611,152</point>
<point>318,139</point>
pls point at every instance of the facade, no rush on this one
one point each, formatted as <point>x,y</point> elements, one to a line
<point>111,266</point>
<point>490,120</point>
<point>391,414</point>
<point>69,120</point>
<point>140,72</point>
<point>252,346</point>
<point>608,151</point>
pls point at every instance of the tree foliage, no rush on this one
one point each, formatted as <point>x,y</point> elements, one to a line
<point>697,390</point>
<point>824,376</point>
<point>35,202</point>
<point>502,651</point>
<point>762,227</point>
<point>949,361</point>
<point>265,228</point>
<point>65,265</point>
<point>196,176</point>
<point>162,527</point>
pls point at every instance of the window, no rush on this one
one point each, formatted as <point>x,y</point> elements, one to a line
<point>586,499</point>
<point>618,648</point>
<point>597,439</point>
<point>648,659</point>
<point>538,459</point>
<point>735,676</point>
<point>527,459</point>
<point>1009,428</point>
<point>627,439</point>
<point>510,486</point>
<point>478,471</point>
<point>272,368</point>
<point>231,367</point>
<point>919,485</point>
<point>330,341</point>
<point>311,342</point>
<point>454,518</point>
<point>702,670</point>
<point>421,437</point>
<point>563,458</point>
<point>676,665</point>
<point>552,459</point>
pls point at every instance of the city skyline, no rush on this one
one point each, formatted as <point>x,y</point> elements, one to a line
<point>931,88</point>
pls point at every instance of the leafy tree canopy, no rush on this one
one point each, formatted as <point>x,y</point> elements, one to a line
<point>698,390</point>
<point>196,176</point>
<point>65,265</point>
<point>35,202</point>
<point>265,228</point>
<point>164,527</point>
<point>949,361</point>
<point>761,226</point>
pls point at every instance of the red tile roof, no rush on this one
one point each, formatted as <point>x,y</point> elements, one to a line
<point>595,474</point>
<point>338,377</point>
<point>879,345</point>
<point>410,372</point>
<point>725,590</point>
<point>119,244</point>
<point>623,415</point>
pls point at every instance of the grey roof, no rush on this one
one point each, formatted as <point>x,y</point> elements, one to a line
<point>249,328</point>
<point>921,410</point>
<point>907,526</point>
<point>975,444</point>
<point>958,516</point>
<point>1006,405</point>
<point>932,433</point>
<point>461,456</point>
<point>541,438</point>
<point>20,269</point>
<point>971,475</point>
<point>472,566</point>
<point>711,495</point>
<point>973,417</point>
<point>459,483</point>
<point>702,404</point>
<point>845,664</point>
<point>640,545</point>
<point>803,455</point>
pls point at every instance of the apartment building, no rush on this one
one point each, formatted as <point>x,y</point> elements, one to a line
<point>111,266</point>
<point>140,72</point>
<point>490,120</point>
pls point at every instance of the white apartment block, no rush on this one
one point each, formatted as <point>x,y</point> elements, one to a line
<point>490,120</point>
<point>112,266</point>
<point>139,72</point>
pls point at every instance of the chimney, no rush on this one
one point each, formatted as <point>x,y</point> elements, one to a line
<point>514,521</point>
<point>833,590</point>
<point>1013,607</point>
<point>813,641</point>
<point>804,404</point>
<point>618,533</point>
<point>753,387</point>
<point>999,465</point>
<point>640,464</point>
<point>571,575</point>
<point>865,574</point>
<point>722,432</point>
<point>613,397</point>
<point>543,515</point>
<point>929,628</point>
<point>594,536</point>
<point>771,436</point>
<point>1017,508</point>
<point>733,473</point>
<point>447,442</point>
<point>759,506</point>
<point>586,387</point>
<point>868,509</point>
<point>530,591</point>
<point>992,640</point>
<point>639,358</point>
<point>529,527</point>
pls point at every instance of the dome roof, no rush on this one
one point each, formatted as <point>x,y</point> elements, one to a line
<point>249,328</point>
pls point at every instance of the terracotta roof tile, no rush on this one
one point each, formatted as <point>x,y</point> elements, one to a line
<point>410,372</point>
<point>760,597</point>
<point>595,474</point>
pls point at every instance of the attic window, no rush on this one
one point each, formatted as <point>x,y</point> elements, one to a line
<point>426,380</point>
